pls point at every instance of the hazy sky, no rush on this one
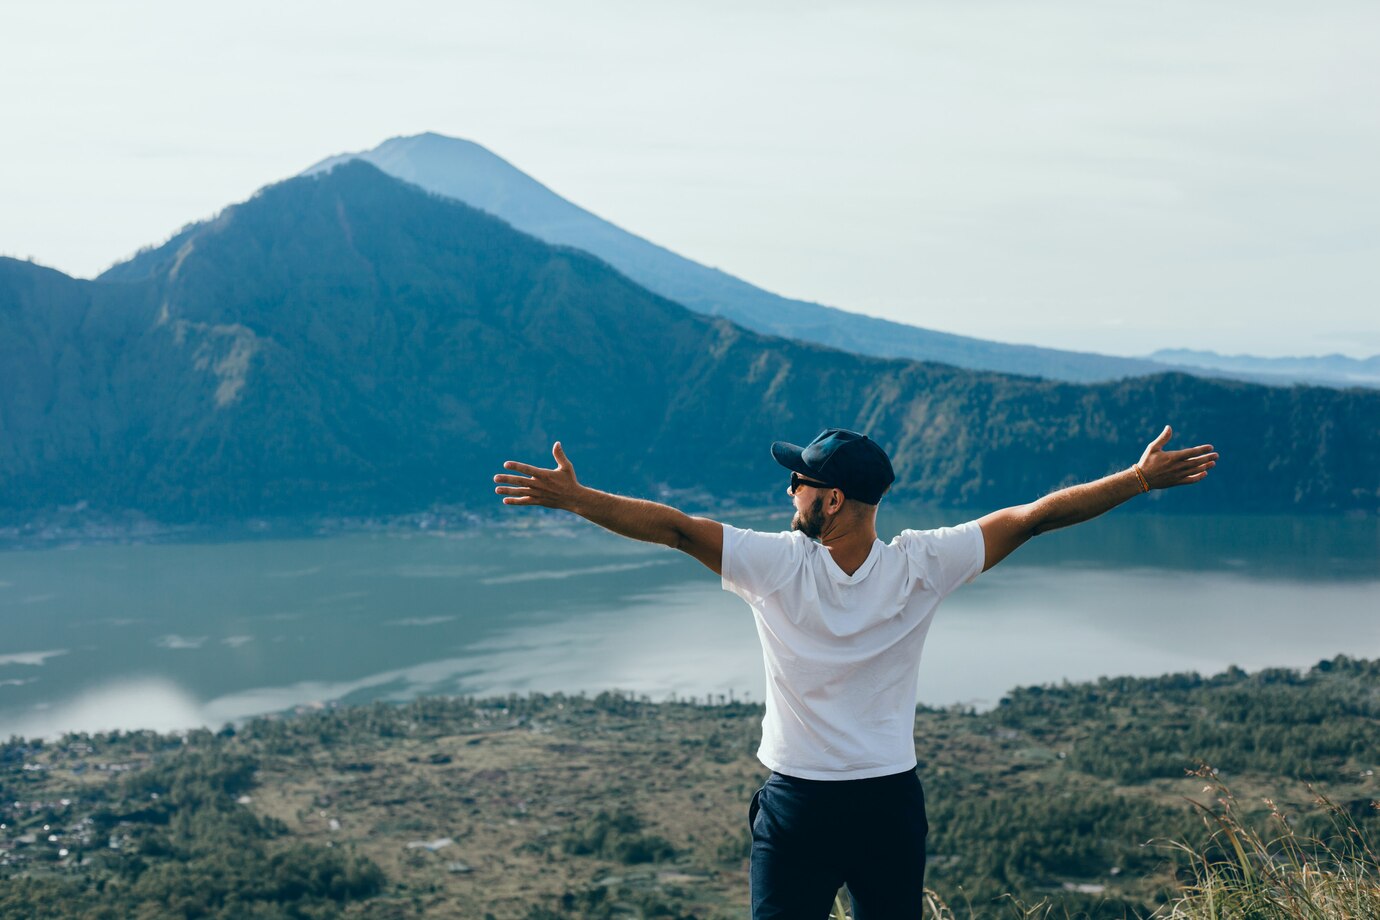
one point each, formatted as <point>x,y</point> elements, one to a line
<point>1105,176</point>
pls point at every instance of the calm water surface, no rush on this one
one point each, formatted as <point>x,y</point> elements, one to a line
<point>170,636</point>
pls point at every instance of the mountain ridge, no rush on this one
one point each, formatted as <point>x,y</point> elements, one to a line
<point>468,172</point>
<point>350,344</point>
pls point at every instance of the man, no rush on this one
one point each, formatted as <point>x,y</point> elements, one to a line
<point>842,623</point>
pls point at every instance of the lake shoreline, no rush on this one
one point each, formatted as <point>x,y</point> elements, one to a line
<point>185,632</point>
<point>68,528</point>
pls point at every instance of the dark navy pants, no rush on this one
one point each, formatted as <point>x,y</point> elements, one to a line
<point>811,836</point>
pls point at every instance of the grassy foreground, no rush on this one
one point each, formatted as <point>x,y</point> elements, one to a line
<point>1073,800</point>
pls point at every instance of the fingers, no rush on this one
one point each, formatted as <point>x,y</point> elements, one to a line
<point>1191,459</point>
<point>520,486</point>
<point>557,452</point>
<point>1191,464</point>
<point>1186,473</point>
<point>526,484</point>
<point>520,495</point>
<point>1164,469</point>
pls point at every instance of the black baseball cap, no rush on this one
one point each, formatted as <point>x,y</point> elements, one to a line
<point>846,460</point>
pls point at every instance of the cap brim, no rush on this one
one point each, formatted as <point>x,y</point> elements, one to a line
<point>788,455</point>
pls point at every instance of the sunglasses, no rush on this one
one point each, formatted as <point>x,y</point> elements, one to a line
<point>797,481</point>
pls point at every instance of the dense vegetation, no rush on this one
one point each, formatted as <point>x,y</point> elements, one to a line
<point>559,806</point>
<point>348,344</point>
<point>169,840</point>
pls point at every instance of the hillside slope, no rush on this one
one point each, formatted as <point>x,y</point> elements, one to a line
<point>470,173</point>
<point>349,344</point>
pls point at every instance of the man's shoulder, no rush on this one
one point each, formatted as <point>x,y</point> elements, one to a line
<point>935,534</point>
<point>943,557</point>
<point>749,533</point>
<point>766,544</point>
<point>760,562</point>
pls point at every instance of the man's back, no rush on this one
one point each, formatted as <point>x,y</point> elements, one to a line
<point>842,652</point>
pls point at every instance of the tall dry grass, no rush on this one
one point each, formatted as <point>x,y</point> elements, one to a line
<point>1242,871</point>
<point>1278,873</point>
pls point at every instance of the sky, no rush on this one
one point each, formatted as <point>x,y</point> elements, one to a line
<point>1109,176</point>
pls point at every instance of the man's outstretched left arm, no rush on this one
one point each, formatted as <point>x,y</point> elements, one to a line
<point>1005,530</point>
<point>635,518</point>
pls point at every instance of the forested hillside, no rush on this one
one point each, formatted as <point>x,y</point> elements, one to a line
<point>548,807</point>
<point>348,344</point>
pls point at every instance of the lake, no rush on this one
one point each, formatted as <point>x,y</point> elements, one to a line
<point>175,635</point>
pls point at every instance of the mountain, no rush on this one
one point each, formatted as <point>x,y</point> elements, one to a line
<point>467,172</point>
<point>346,343</point>
<point>1328,370</point>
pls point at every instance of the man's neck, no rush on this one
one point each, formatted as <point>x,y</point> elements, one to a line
<point>850,542</point>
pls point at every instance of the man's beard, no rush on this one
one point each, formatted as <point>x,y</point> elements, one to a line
<point>810,523</point>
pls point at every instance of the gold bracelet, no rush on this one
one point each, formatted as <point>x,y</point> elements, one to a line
<point>1144,486</point>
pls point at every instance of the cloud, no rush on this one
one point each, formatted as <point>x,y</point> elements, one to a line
<point>295,573</point>
<point>172,640</point>
<point>31,658</point>
<point>156,704</point>
<point>544,574</point>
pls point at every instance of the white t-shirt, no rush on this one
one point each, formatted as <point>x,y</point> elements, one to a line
<point>842,652</point>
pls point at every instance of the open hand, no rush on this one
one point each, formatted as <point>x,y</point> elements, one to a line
<point>1164,469</point>
<point>548,488</point>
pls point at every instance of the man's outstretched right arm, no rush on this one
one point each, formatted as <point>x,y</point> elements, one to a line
<point>1006,530</point>
<point>638,519</point>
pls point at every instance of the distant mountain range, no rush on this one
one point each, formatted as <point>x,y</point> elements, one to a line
<point>1332,370</point>
<point>467,172</point>
<point>346,343</point>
